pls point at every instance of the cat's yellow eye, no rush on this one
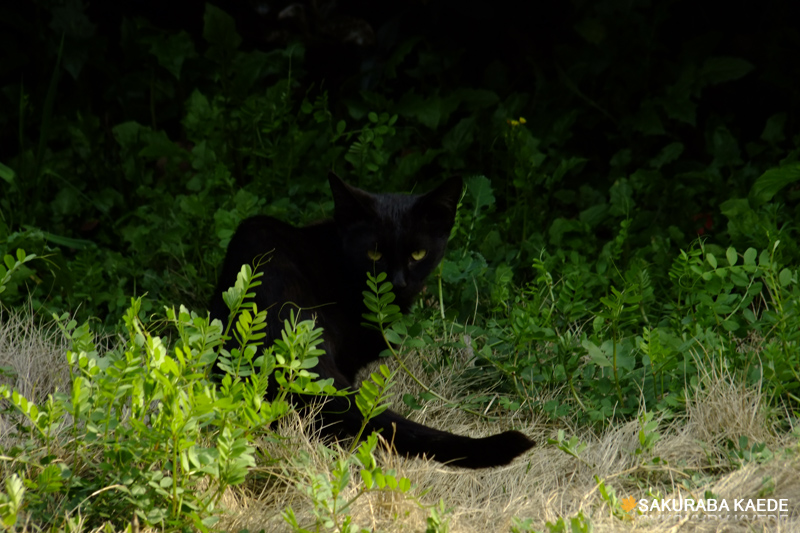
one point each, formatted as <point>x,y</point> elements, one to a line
<point>374,254</point>
<point>419,255</point>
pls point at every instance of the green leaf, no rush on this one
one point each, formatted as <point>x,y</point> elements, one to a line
<point>411,401</point>
<point>172,50</point>
<point>479,189</point>
<point>219,28</point>
<point>400,328</point>
<point>730,325</point>
<point>430,112</point>
<point>711,260</point>
<point>731,256</point>
<point>369,389</point>
<point>721,69</point>
<point>460,137</point>
<point>750,256</point>
<point>772,181</point>
<point>724,147</point>
<point>594,215</point>
<point>404,485</point>
<point>785,277</point>
<point>648,121</point>
<point>393,337</point>
<point>735,207</point>
<point>7,173</point>
<point>366,475</point>
<point>774,130</point>
<point>77,244</point>
<point>70,20</point>
<point>668,154</point>
<point>596,354</point>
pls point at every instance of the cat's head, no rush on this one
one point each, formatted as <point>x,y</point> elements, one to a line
<point>402,235</point>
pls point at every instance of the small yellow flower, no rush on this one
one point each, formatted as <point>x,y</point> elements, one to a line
<point>522,120</point>
<point>514,123</point>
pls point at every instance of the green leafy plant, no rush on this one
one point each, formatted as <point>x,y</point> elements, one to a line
<point>12,266</point>
<point>438,522</point>
<point>609,496</point>
<point>373,398</point>
<point>577,524</point>
<point>648,433</point>
<point>385,317</point>
<point>573,446</point>
<point>332,493</point>
<point>743,452</point>
<point>11,501</point>
<point>149,434</point>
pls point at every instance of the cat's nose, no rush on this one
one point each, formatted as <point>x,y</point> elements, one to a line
<point>399,280</point>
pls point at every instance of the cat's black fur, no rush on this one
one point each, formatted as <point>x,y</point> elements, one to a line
<point>322,269</point>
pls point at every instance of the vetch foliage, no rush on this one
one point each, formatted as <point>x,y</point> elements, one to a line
<point>148,433</point>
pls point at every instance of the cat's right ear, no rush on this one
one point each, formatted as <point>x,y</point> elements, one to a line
<point>448,194</point>
<point>351,205</point>
<point>440,204</point>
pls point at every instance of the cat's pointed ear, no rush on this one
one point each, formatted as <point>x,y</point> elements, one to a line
<point>351,205</point>
<point>440,204</point>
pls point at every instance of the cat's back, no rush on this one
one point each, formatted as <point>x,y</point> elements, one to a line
<point>297,262</point>
<point>263,235</point>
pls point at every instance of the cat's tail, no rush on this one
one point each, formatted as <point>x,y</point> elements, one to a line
<point>413,439</point>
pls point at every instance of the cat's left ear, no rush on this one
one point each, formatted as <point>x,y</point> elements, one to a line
<point>441,203</point>
<point>351,205</point>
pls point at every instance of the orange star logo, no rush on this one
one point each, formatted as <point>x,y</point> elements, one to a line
<point>628,504</point>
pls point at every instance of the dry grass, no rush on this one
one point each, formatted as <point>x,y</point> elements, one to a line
<point>35,354</point>
<point>542,486</point>
<point>547,483</point>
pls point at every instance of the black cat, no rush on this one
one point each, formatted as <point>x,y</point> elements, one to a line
<point>322,267</point>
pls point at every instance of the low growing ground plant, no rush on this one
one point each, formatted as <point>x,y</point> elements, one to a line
<point>146,432</point>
